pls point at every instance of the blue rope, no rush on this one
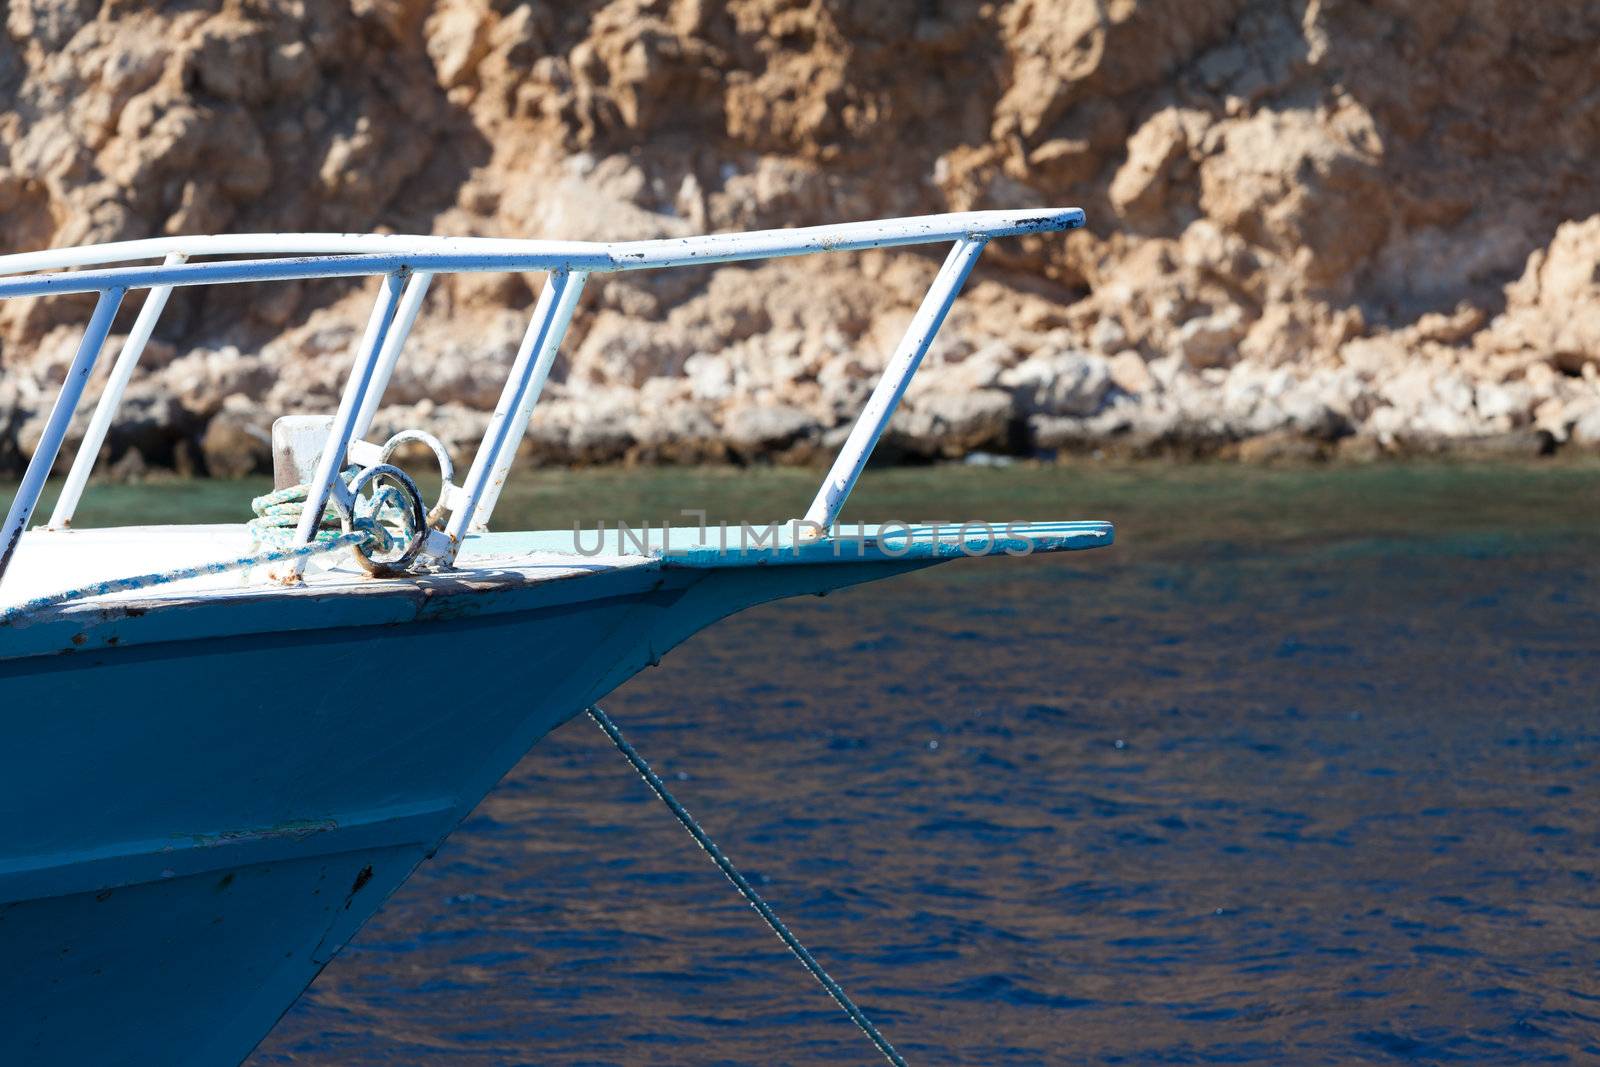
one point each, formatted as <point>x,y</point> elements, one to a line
<point>277,516</point>
<point>145,581</point>
<point>746,890</point>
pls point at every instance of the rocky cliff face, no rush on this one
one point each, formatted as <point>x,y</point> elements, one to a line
<point>1315,226</point>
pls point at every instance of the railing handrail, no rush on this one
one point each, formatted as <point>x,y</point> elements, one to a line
<point>351,255</point>
<point>407,265</point>
<point>268,244</point>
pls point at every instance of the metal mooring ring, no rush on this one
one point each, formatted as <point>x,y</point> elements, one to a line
<point>447,470</point>
<point>389,568</point>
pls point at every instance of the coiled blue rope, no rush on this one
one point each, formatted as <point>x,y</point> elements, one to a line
<point>278,516</point>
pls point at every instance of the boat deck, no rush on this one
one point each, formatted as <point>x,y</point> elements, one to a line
<point>49,562</point>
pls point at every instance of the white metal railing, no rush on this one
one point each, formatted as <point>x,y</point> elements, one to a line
<point>407,266</point>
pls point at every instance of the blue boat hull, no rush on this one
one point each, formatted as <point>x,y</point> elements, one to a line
<point>195,827</point>
<point>203,803</point>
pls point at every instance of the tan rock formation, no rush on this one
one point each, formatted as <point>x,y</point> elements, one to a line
<point>1308,220</point>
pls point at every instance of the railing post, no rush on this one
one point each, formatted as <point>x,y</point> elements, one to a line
<point>535,357</point>
<point>110,400</point>
<point>55,427</point>
<point>350,404</point>
<point>874,419</point>
<point>410,304</point>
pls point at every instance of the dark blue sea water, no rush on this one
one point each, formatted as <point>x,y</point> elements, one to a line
<point>1303,771</point>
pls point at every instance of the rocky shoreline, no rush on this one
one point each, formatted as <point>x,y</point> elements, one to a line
<point>1304,243</point>
<point>209,411</point>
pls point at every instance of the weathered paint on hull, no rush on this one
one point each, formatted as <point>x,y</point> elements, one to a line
<point>196,826</point>
<point>203,798</point>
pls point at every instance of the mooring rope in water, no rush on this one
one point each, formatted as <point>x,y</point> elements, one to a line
<point>745,889</point>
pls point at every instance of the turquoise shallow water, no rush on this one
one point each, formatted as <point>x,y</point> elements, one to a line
<point>1302,771</point>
